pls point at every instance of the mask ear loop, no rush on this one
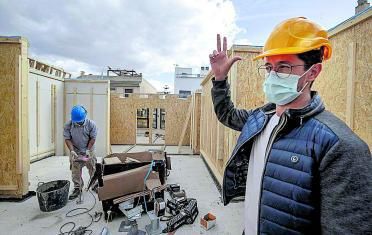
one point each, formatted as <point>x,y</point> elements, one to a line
<point>302,89</point>
<point>307,83</point>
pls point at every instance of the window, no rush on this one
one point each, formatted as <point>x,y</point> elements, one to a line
<point>184,94</point>
<point>162,119</point>
<point>142,118</point>
<point>127,92</point>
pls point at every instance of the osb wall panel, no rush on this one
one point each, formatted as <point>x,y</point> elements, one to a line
<point>208,125</point>
<point>250,89</point>
<point>362,124</point>
<point>332,83</point>
<point>123,117</point>
<point>14,164</point>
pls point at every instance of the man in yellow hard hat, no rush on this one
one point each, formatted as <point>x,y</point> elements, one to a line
<point>300,169</point>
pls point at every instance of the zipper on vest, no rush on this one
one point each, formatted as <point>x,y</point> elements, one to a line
<point>310,113</point>
<point>277,129</point>
<point>228,162</point>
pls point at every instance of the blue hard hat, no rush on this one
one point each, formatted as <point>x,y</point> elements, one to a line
<point>78,113</point>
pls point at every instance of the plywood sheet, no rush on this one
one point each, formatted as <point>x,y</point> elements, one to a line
<point>123,116</point>
<point>14,149</point>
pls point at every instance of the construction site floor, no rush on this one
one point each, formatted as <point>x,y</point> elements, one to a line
<point>188,170</point>
<point>170,149</point>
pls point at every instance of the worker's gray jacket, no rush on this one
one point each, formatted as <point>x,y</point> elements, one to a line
<point>317,176</point>
<point>80,135</point>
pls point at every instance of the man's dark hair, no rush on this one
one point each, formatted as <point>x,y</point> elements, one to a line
<point>311,57</point>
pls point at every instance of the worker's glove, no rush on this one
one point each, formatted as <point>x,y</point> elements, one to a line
<point>89,153</point>
<point>73,155</point>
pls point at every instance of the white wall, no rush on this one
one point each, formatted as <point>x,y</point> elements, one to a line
<point>180,70</point>
<point>95,97</point>
<point>188,84</point>
<point>146,87</point>
<point>45,119</point>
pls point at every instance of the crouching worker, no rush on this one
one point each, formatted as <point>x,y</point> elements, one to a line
<point>80,135</point>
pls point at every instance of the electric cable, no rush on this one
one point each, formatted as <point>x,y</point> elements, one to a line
<point>144,183</point>
<point>81,230</point>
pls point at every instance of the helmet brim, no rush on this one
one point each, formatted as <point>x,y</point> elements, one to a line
<point>295,50</point>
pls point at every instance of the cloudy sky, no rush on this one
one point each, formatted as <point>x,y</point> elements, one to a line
<point>150,36</point>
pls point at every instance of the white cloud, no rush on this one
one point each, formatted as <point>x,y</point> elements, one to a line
<point>147,36</point>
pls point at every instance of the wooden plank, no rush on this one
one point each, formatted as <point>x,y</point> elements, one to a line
<point>220,142</point>
<point>55,116</point>
<point>151,119</point>
<point>52,114</point>
<point>84,93</point>
<point>91,104</point>
<point>37,115</point>
<point>18,114</point>
<point>188,115</point>
<point>74,102</point>
<point>8,187</point>
<point>350,91</point>
<point>108,117</point>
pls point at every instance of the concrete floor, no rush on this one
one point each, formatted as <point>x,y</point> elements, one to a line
<point>185,150</point>
<point>189,171</point>
<point>157,136</point>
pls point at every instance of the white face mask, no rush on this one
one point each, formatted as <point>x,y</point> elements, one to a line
<point>282,91</point>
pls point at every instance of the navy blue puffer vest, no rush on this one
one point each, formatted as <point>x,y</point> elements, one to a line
<point>289,202</point>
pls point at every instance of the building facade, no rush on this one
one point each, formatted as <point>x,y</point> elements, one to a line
<point>123,82</point>
<point>185,82</point>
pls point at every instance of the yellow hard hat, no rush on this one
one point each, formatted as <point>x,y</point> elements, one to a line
<point>295,36</point>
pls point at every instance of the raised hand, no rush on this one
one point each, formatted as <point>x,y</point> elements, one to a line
<point>220,63</point>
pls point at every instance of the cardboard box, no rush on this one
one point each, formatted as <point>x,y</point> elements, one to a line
<point>208,221</point>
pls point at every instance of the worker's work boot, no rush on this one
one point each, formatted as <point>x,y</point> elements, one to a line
<point>74,194</point>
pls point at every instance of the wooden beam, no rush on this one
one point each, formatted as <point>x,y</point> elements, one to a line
<point>37,115</point>
<point>183,133</point>
<point>91,103</point>
<point>75,97</point>
<point>52,114</point>
<point>220,142</point>
<point>151,115</point>
<point>350,85</point>
<point>8,187</point>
